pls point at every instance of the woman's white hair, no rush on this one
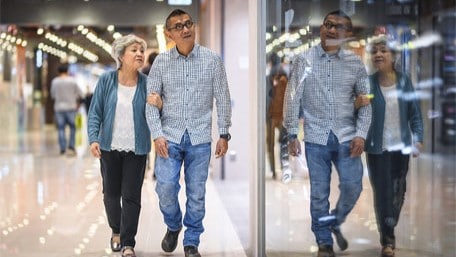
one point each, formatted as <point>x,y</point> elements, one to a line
<point>392,45</point>
<point>119,45</point>
<point>383,39</point>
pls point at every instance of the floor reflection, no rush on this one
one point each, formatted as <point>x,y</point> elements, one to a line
<point>427,226</point>
<point>51,204</point>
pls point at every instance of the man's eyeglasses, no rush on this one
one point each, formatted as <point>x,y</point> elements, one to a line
<point>339,27</point>
<point>180,26</point>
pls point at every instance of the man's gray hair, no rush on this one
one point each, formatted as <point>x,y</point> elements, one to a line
<point>119,45</point>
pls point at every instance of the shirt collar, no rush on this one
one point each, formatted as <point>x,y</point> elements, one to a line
<point>193,53</point>
<point>339,54</point>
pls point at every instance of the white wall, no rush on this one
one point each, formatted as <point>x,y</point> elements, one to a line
<point>236,59</point>
<point>236,189</point>
<point>235,54</point>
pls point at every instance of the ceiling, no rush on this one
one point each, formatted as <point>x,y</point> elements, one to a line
<point>61,18</point>
<point>71,34</point>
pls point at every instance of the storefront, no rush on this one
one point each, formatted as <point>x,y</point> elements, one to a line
<point>270,216</point>
<point>424,34</point>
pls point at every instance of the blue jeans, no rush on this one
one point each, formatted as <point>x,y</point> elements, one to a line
<point>350,170</point>
<point>167,170</point>
<point>63,118</point>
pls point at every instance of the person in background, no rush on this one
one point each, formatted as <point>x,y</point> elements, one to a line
<point>188,77</point>
<point>150,61</point>
<point>277,80</point>
<point>88,98</point>
<point>67,95</point>
<point>326,79</point>
<point>396,133</point>
<point>120,138</point>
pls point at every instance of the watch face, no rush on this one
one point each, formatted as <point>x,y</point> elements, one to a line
<point>226,136</point>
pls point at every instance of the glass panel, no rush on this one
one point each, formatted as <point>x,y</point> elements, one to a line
<point>418,44</point>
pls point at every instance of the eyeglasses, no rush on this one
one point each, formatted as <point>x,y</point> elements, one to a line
<point>179,26</point>
<point>339,27</point>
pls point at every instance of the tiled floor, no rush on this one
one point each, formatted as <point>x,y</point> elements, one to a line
<point>51,205</point>
<point>427,226</point>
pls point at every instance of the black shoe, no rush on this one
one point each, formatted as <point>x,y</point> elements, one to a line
<point>115,243</point>
<point>325,251</point>
<point>128,251</point>
<point>340,239</point>
<point>169,242</point>
<point>71,152</point>
<point>191,251</point>
<point>388,251</point>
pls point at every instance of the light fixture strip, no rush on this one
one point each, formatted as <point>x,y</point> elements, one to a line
<point>92,37</point>
<point>71,46</point>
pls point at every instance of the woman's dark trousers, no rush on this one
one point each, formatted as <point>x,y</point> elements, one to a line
<point>123,177</point>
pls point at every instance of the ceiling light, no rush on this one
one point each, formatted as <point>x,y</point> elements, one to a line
<point>179,2</point>
<point>97,41</point>
<point>116,35</point>
<point>161,38</point>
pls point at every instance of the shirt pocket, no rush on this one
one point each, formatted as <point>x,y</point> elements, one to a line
<point>204,92</point>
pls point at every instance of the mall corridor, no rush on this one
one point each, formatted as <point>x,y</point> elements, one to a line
<point>51,205</point>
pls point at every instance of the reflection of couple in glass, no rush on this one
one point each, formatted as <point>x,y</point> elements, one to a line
<point>325,80</point>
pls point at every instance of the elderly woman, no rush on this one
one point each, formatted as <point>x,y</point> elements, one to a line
<point>120,138</point>
<point>396,132</point>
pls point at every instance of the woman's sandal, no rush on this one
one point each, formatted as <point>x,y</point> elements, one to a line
<point>128,251</point>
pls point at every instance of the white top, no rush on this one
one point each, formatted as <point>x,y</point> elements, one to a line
<point>66,93</point>
<point>123,135</point>
<point>391,128</point>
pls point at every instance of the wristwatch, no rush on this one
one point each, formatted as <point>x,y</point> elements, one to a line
<point>227,137</point>
<point>292,137</point>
